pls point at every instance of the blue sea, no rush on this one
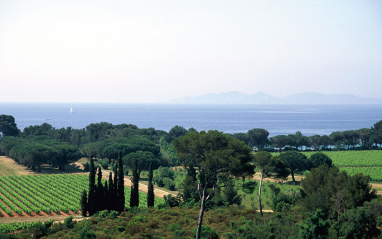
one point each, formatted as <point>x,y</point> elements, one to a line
<point>277,119</point>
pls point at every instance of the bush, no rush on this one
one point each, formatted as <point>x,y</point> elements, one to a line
<point>171,201</point>
<point>86,167</point>
<point>104,163</point>
<point>120,228</point>
<point>113,214</point>
<point>86,233</point>
<point>179,234</point>
<point>207,233</point>
<point>161,173</point>
<point>69,223</point>
<point>169,183</point>
<point>174,227</point>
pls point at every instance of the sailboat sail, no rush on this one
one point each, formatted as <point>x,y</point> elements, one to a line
<point>71,110</point>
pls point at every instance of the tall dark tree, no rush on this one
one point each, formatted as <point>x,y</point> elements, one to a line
<point>111,195</point>
<point>319,159</point>
<point>279,141</point>
<point>84,203</point>
<point>134,196</point>
<point>258,138</point>
<point>8,125</point>
<point>144,159</point>
<point>214,154</point>
<point>294,161</point>
<point>121,185</point>
<point>92,191</point>
<point>376,136</point>
<point>150,192</point>
<point>268,166</point>
<point>106,197</point>
<point>177,131</point>
<point>335,192</point>
<point>99,192</point>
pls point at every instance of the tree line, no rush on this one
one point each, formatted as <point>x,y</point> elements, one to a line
<point>111,195</point>
<point>365,138</point>
<point>32,151</point>
<point>214,161</point>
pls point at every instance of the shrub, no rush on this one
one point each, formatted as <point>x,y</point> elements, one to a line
<point>86,167</point>
<point>86,233</point>
<point>207,233</point>
<point>69,223</point>
<point>179,234</point>
<point>171,201</point>
<point>169,183</point>
<point>161,173</point>
<point>120,228</point>
<point>104,163</point>
<point>113,214</point>
<point>174,227</point>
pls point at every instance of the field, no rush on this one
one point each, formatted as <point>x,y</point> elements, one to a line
<point>368,162</point>
<point>26,195</point>
<point>43,195</point>
<point>29,196</point>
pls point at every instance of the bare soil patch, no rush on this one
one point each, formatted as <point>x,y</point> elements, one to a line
<point>3,214</point>
<point>9,167</point>
<point>142,187</point>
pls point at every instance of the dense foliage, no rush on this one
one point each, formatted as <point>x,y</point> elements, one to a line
<point>329,204</point>
<point>36,150</point>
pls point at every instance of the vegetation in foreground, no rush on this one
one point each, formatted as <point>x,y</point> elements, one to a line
<point>223,222</point>
<point>330,204</point>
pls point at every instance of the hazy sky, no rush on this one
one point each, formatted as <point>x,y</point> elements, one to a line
<point>154,51</point>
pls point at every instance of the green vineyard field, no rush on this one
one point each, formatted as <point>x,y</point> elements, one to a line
<point>375,173</point>
<point>368,162</point>
<point>56,193</point>
<point>364,158</point>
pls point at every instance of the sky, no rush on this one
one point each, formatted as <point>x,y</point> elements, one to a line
<point>155,51</point>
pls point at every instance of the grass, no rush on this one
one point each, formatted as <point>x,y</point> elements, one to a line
<point>248,200</point>
<point>251,200</point>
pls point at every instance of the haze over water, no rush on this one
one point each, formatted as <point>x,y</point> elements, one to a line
<point>277,119</point>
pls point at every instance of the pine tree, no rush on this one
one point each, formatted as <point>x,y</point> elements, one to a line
<point>91,198</point>
<point>84,203</point>
<point>121,185</point>
<point>134,196</point>
<point>150,192</point>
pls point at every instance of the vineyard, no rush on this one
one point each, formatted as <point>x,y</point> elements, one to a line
<point>368,162</point>
<point>41,195</point>
<point>367,158</point>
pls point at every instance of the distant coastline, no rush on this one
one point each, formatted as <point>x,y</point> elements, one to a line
<point>230,118</point>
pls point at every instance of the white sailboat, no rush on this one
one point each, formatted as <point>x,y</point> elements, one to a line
<point>71,110</point>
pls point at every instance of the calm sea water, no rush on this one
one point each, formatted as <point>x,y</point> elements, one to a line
<point>277,119</point>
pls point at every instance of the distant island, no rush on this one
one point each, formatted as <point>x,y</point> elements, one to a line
<point>262,98</point>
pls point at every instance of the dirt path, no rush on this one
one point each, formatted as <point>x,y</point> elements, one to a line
<point>35,219</point>
<point>9,167</point>
<point>142,186</point>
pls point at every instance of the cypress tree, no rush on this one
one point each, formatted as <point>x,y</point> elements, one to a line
<point>134,196</point>
<point>105,197</point>
<point>150,192</point>
<point>115,189</point>
<point>110,193</point>
<point>121,185</point>
<point>91,198</point>
<point>110,182</point>
<point>84,203</point>
<point>99,192</point>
